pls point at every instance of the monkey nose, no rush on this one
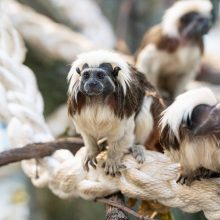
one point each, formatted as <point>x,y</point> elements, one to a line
<point>93,84</point>
<point>93,88</point>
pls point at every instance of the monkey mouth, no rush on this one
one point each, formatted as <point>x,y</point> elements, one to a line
<point>94,92</point>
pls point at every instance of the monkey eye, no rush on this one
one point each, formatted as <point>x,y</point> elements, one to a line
<point>85,75</point>
<point>186,19</point>
<point>189,17</point>
<point>100,75</point>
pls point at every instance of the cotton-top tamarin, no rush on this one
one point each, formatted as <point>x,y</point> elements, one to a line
<point>191,134</point>
<point>108,98</point>
<point>170,52</point>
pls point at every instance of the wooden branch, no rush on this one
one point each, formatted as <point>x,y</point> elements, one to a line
<point>39,150</point>
<point>115,206</point>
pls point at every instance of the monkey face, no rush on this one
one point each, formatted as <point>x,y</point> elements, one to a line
<point>194,24</point>
<point>96,81</point>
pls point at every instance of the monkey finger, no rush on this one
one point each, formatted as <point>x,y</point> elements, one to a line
<point>140,159</point>
<point>137,151</point>
<point>91,162</point>
<point>118,173</point>
<point>179,179</point>
<point>113,174</point>
<point>122,167</point>
<point>110,169</point>
<point>85,165</point>
<point>130,150</point>
<point>183,180</point>
<point>95,161</point>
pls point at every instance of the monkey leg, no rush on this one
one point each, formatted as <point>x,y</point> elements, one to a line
<point>198,174</point>
<point>118,145</point>
<point>137,151</point>
<point>115,153</point>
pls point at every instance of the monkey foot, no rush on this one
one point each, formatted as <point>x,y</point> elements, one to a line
<point>207,174</point>
<point>137,151</point>
<point>90,159</point>
<point>113,167</point>
<point>198,174</point>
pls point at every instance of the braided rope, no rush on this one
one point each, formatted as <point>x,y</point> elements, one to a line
<point>22,111</point>
<point>20,100</point>
<point>153,180</point>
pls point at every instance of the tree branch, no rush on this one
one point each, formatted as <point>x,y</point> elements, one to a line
<point>113,201</point>
<point>39,150</point>
<point>112,211</point>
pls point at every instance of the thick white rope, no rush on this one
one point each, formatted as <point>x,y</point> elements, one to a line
<point>50,39</point>
<point>153,180</point>
<point>20,100</point>
<point>85,16</point>
<point>22,111</point>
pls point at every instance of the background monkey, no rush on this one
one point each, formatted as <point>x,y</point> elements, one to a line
<point>170,52</point>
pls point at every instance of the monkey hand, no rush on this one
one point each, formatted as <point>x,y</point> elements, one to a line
<point>137,151</point>
<point>90,159</point>
<point>113,166</point>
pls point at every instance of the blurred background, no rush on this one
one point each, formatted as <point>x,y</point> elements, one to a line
<point>54,32</point>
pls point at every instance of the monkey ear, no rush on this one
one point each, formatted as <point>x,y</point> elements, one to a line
<point>85,66</point>
<point>78,70</point>
<point>116,70</point>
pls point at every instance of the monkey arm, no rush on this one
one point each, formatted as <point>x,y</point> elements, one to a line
<point>149,64</point>
<point>144,122</point>
<point>92,150</point>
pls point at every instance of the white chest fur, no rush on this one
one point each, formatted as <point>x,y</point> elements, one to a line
<point>184,60</point>
<point>200,152</point>
<point>100,121</point>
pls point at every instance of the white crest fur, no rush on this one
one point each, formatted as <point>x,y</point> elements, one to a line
<point>172,15</point>
<point>183,106</point>
<point>94,59</point>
